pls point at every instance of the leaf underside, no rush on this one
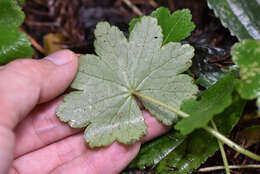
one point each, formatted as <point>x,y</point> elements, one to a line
<point>104,101</point>
<point>213,101</point>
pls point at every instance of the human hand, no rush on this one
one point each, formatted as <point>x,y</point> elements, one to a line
<point>34,141</point>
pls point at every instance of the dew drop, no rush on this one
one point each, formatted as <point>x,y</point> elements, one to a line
<point>73,123</point>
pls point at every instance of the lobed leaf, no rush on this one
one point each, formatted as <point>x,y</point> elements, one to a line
<point>175,27</point>
<point>105,102</point>
<point>213,101</point>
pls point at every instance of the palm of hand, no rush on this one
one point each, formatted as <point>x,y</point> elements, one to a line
<point>45,145</point>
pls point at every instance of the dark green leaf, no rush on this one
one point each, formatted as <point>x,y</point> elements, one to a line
<point>200,145</point>
<point>213,101</point>
<point>207,74</point>
<point>11,15</point>
<point>240,17</point>
<point>153,152</point>
<point>13,44</point>
<point>175,27</point>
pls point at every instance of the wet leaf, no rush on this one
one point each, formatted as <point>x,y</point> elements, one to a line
<point>105,101</point>
<point>153,152</point>
<point>200,145</point>
<point>239,17</point>
<point>13,44</point>
<point>175,27</point>
<point>213,101</point>
<point>207,74</point>
<point>11,15</point>
<point>246,55</point>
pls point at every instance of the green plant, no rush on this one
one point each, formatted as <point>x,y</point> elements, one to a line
<point>239,17</point>
<point>148,66</point>
<point>151,65</point>
<point>13,42</point>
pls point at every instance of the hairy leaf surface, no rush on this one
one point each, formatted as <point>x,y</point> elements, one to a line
<point>104,101</point>
<point>175,27</point>
<point>213,101</point>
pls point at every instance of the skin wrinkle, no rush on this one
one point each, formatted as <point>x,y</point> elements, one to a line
<point>91,158</point>
<point>90,152</point>
<point>42,133</point>
<point>14,170</point>
<point>36,132</point>
<point>24,88</point>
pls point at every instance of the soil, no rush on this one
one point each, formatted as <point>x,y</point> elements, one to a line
<point>75,20</point>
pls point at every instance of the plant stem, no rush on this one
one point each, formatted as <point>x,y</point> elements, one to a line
<point>210,169</point>
<point>223,154</point>
<point>213,132</point>
<point>231,144</point>
<point>170,108</point>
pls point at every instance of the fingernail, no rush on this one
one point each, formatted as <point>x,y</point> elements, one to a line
<point>61,57</point>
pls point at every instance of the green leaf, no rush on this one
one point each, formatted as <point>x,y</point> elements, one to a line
<point>133,22</point>
<point>213,101</point>
<point>153,152</point>
<point>241,18</point>
<point>175,27</point>
<point>106,83</point>
<point>246,55</point>
<point>11,15</point>
<point>200,145</point>
<point>13,44</point>
<point>206,73</point>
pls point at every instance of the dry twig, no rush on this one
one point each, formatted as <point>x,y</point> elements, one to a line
<point>35,44</point>
<point>133,7</point>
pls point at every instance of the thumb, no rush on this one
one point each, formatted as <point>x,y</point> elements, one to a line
<point>25,83</point>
